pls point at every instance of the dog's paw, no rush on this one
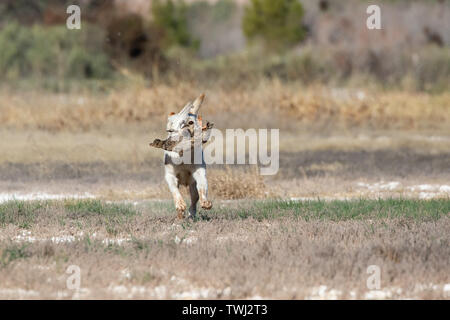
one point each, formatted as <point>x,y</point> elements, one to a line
<point>206,204</point>
<point>180,214</point>
<point>181,208</point>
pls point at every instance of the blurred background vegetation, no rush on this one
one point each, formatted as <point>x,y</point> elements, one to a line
<point>225,42</point>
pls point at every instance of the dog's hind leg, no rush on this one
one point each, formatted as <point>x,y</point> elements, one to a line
<point>194,198</point>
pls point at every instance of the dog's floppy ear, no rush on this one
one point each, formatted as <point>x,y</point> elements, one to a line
<point>197,103</point>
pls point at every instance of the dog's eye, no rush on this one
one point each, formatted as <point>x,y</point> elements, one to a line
<point>170,130</point>
<point>191,123</point>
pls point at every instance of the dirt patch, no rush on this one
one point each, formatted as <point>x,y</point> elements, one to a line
<point>85,172</point>
<point>355,164</point>
<point>378,164</point>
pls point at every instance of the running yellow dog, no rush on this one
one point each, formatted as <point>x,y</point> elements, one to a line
<point>186,134</point>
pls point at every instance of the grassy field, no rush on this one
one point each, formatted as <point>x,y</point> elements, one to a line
<point>363,181</point>
<point>364,150</point>
<point>240,249</point>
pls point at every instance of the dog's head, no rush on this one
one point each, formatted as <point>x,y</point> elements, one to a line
<point>187,121</point>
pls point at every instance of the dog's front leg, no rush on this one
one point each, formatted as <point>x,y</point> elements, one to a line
<point>172,181</point>
<point>202,186</point>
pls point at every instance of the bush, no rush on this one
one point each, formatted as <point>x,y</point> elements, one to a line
<point>432,72</point>
<point>171,17</point>
<point>52,52</point>
<point>277,22</point>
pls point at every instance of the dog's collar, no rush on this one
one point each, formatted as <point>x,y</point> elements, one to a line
<point>192,114</point>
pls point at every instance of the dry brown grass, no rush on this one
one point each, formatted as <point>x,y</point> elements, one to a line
<point>237,184</point>
<point>272,103</point>
<point>376,110</point>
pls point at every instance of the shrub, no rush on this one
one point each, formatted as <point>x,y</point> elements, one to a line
<point>432,72</point>
<point>52,52</point>
<point>171,17</point>
<point>277,22</point>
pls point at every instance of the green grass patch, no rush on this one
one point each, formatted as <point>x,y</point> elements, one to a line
<point>119,217</point>
<point>25,214</point>
<point>20,213</point>
<point>336,210</point>
<point>113,216</point>
<point>97,207</point>
<point>13,252</point>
